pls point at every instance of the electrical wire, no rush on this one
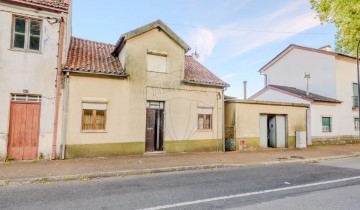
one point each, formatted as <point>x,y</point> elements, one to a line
<point>249,30</point>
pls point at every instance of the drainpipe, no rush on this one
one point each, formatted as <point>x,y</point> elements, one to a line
<point>223,119</point>
<point>66,106</point>
<point>308,126</point>
<point>58,86</point>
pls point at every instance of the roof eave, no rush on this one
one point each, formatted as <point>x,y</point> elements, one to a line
<point>95,73</point>
<point>146,28</point>
<point>44,7</point>
<point>330,102</point>
<point>205,84</point>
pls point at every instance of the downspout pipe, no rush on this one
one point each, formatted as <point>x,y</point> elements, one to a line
<point>66,107</point>
<point>223,120</point>
<point>58,85</point>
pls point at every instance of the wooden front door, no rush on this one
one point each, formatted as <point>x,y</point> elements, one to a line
<point>154,130</point>
<point>24,130</point>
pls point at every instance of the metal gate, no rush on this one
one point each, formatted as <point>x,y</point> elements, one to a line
<point>24,127</point>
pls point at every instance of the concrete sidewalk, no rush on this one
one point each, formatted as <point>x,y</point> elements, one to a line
<point>35,171</point>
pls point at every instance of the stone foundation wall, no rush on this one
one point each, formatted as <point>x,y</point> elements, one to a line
<point>335,140</point>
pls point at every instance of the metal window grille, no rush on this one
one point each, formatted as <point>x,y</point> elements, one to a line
<point>356,124</point>
<point>26,98</point>
<point>326,128</point>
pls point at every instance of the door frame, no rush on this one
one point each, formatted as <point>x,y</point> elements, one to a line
<point>159,106</point>
<point>267,129</point>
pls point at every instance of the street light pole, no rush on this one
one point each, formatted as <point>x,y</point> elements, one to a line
<point>358,83</point>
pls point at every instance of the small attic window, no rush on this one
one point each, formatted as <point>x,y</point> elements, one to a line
<point>156,61</point>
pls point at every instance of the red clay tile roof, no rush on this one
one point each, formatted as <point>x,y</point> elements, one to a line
<point>49,4</point>
<point>198,74</point>
<point>92,57</point>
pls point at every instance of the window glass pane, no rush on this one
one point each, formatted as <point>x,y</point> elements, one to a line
<point>200,122</point>
<point>355,89</point>
<point>34,43</point>
<point>326,121</point>
<point>100,120</point>
<point>35,28</point>
<point>87,124</point>
<point>326,124</point>
<point>19,41</point>
<point>20,25</point>
<point>208,122</point>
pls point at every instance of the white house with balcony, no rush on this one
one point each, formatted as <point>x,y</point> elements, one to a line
<point>330,90</point>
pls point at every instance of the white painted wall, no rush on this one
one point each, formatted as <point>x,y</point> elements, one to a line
<point>35,72</point>
<point>342,114</point>
<point>273,95</point>
<point>290,69</point>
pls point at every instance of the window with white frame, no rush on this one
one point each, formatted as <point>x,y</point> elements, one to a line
<point>355,95</point>
<point>326,124</point>
<point>156,61</point>
<point>94,115</point>
<point>205,118</point>
<point>356,123</point>
<point>26,33</point>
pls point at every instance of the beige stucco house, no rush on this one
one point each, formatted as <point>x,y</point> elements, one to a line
<point>142,95</point>
<point>33,40</point>
<point>264,124</point>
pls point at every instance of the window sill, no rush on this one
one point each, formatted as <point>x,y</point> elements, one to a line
<point>160,72</point>
<point>25,51</point>
<point>205,130</point>
<point>93,131</point>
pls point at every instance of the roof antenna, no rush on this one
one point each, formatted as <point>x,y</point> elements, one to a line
<point>196,54</point>
<point>307,77</point>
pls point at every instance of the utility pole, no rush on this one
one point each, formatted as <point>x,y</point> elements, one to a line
<point>307,77</point>
<point>358,82</point>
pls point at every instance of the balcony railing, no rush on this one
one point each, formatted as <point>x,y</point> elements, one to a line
<point>355,101</point>
<point>326,128</point>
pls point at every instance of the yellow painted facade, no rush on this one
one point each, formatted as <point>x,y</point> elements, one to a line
<point>244,117</point>
<point>127,98</point>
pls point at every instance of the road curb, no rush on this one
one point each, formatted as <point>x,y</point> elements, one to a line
<point>124,173</point>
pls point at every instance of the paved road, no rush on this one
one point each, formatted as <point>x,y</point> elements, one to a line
<point>327,185</point>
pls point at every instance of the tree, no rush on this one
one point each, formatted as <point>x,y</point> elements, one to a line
<point>345,15</point>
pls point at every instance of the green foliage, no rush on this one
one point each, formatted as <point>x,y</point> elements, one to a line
<point>8,159</point>
<point>345,15</point>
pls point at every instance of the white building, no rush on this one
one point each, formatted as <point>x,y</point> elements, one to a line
<point>32,33</point>
<point>332,92</point>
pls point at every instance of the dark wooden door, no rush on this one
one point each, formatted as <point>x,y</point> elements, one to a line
<point>24,130</point>
<point>154,130</point>
<point>150,129</point>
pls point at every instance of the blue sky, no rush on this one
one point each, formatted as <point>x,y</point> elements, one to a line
<point>235,38</point>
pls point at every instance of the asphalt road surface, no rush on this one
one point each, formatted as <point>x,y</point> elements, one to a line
<point>326,185</point>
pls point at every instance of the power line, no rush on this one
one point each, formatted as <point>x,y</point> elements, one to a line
<point>249,30</point>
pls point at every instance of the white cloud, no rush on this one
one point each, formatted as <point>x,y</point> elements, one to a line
<point>240,36</point>
<point>203,41</point>
<point>284,29</point>
<point>232,75</point>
